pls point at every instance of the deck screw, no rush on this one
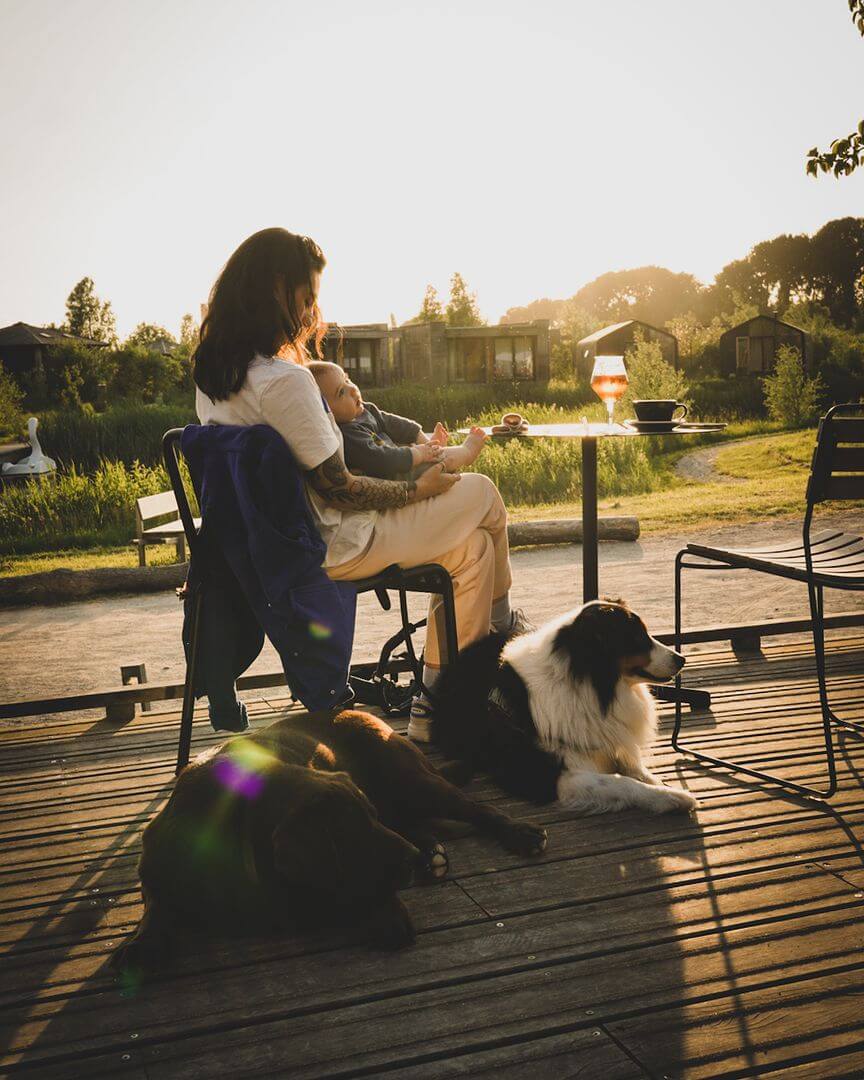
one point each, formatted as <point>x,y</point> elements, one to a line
<point>858,895</point>
<point>134,1035</point>
<point>595,1032</point>
<point>589,1012</point>
<point>499,924</point>
<point>125,1057</point>
<point>532,957</point>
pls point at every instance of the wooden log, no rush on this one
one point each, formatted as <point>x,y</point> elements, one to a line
<point>58,586</point>
<point>569,531</point>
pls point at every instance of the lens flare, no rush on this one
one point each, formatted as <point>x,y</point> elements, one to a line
<point>237,778</point>
<point>320,632</point>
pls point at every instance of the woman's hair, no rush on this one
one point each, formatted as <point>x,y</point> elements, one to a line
<point>252,310</point>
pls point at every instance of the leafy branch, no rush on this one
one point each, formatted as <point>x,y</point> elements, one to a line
<point>844,155</point>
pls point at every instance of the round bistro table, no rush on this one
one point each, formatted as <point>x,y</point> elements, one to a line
<point>588,435</point>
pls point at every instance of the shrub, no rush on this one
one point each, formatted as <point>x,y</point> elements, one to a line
<point>791,398</point>
<point>11,397</point>
<point>733,397</point>
<point>650,376</point>
<point>75,510</point>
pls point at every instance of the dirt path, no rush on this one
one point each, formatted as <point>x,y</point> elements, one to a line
<point>700,465</point>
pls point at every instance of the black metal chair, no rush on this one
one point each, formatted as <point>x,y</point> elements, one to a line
<point>825,560</point>
<point>429,578</point>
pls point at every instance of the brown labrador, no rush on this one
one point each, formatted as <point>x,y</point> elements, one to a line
<point>320,819</point>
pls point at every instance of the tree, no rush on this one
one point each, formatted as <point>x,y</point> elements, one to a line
<point>88,316</point>
<point>649,293</point>
<point>11,401</point>
<point>462,309</point>
<point>790,396</point>
<point>189,331</point>
<point>431,310</point>
<point>650,376</point>
<point>146,335</point>
<point>844,155</point>
<point>553,310</point>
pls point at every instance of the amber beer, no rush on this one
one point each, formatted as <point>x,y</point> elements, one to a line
<point>609,388</point>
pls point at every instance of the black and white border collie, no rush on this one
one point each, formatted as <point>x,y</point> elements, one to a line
<point>563,713</point>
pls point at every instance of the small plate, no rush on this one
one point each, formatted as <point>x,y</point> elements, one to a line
<point>656,426</point>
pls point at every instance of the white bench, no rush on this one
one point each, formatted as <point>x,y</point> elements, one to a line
<point>152,508</point>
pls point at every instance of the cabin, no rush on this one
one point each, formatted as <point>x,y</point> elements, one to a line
<point>434,353</point>
<point>751,347</point>
<point>22,347</point>
<point>365,352</point>
<point>618,339</point>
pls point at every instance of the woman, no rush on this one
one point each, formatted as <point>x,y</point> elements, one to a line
<point>261,325</point>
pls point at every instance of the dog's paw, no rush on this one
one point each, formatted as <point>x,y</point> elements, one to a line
<point>523,839</point>
<point>669,800</point>
<point>434,863</point>
<point>391,927</point>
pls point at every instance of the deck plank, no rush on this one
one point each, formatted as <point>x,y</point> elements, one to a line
<point>723,945</point>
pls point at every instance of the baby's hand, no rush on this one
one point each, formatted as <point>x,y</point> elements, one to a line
<point>440,436</point>
<point>423,452</point>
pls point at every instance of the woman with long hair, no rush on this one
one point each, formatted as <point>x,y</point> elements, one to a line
<point>261,326</point>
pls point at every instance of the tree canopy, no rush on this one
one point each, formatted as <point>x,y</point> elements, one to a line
<point>88,316</point>
<point>844,155</point>
<point>146,335</point>
<point>650,293</point>
<point>431,310</point>
<point>462,309</point>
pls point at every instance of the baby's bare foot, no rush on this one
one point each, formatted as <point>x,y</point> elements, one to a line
<point>473,444</point>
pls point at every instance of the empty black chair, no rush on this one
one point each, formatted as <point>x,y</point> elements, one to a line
<point>366,679</point>
<point>831,559</point>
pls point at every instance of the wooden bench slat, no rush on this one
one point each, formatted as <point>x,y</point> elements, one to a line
<point>153,506</point>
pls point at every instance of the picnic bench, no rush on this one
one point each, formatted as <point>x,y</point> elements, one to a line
<point>156,508</point>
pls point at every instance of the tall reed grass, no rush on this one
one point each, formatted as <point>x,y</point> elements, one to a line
<point>74,510</point>
<point>127,433</point>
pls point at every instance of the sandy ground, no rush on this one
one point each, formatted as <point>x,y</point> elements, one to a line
<point>75,647</point>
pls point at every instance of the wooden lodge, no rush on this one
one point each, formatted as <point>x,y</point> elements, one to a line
<point>22,347</point>
<point>619,338</point>
<point>751,347</point>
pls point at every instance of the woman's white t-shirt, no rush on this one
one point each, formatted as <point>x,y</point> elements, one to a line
<point>285,396</point>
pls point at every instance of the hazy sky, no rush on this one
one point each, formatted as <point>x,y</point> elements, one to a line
<point>531,146</point>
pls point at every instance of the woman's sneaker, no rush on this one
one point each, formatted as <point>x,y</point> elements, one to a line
<point>421,719</point>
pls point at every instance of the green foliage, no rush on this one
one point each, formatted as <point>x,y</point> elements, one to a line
<point>454,406</point>
<point>727,398</point>
<point>431,309</point>
<point>844,155</point>
<point>147,334</point>
<point>83,440</point>
<point>651,376</point>
<point>189,334</point>
<point>75,510</point>
<point>462,307</point>
<point>791,398</point>
<point>88,316</point>
<point>11,399</point>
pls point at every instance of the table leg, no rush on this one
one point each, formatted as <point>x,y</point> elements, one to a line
<point>590,589</point>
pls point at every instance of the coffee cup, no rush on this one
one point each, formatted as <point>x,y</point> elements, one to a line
<point>659,410</point>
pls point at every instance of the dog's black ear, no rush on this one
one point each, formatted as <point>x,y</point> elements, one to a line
<point>588,653</point>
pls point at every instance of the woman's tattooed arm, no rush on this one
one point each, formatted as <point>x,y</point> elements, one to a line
<point>340,488</point>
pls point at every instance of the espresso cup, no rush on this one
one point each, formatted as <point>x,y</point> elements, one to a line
<point>659,410</point>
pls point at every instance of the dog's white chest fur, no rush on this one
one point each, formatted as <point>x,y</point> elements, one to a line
<point>567,711</point>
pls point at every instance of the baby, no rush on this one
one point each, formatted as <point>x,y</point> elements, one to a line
<point>380,444</point>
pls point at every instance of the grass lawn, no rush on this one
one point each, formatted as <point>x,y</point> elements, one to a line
<point>761,478</point>
<point>764,477</point>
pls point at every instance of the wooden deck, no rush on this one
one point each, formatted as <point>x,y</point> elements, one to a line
<point>719,947</point>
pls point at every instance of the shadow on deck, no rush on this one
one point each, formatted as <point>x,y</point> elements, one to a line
<point>728,945</point>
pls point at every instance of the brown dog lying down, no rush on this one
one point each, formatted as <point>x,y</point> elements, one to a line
<point>310,820</point>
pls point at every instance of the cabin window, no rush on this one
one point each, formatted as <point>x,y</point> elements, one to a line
<point>514,358</point>
<point>466,360</point>
<point>357,360</point>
